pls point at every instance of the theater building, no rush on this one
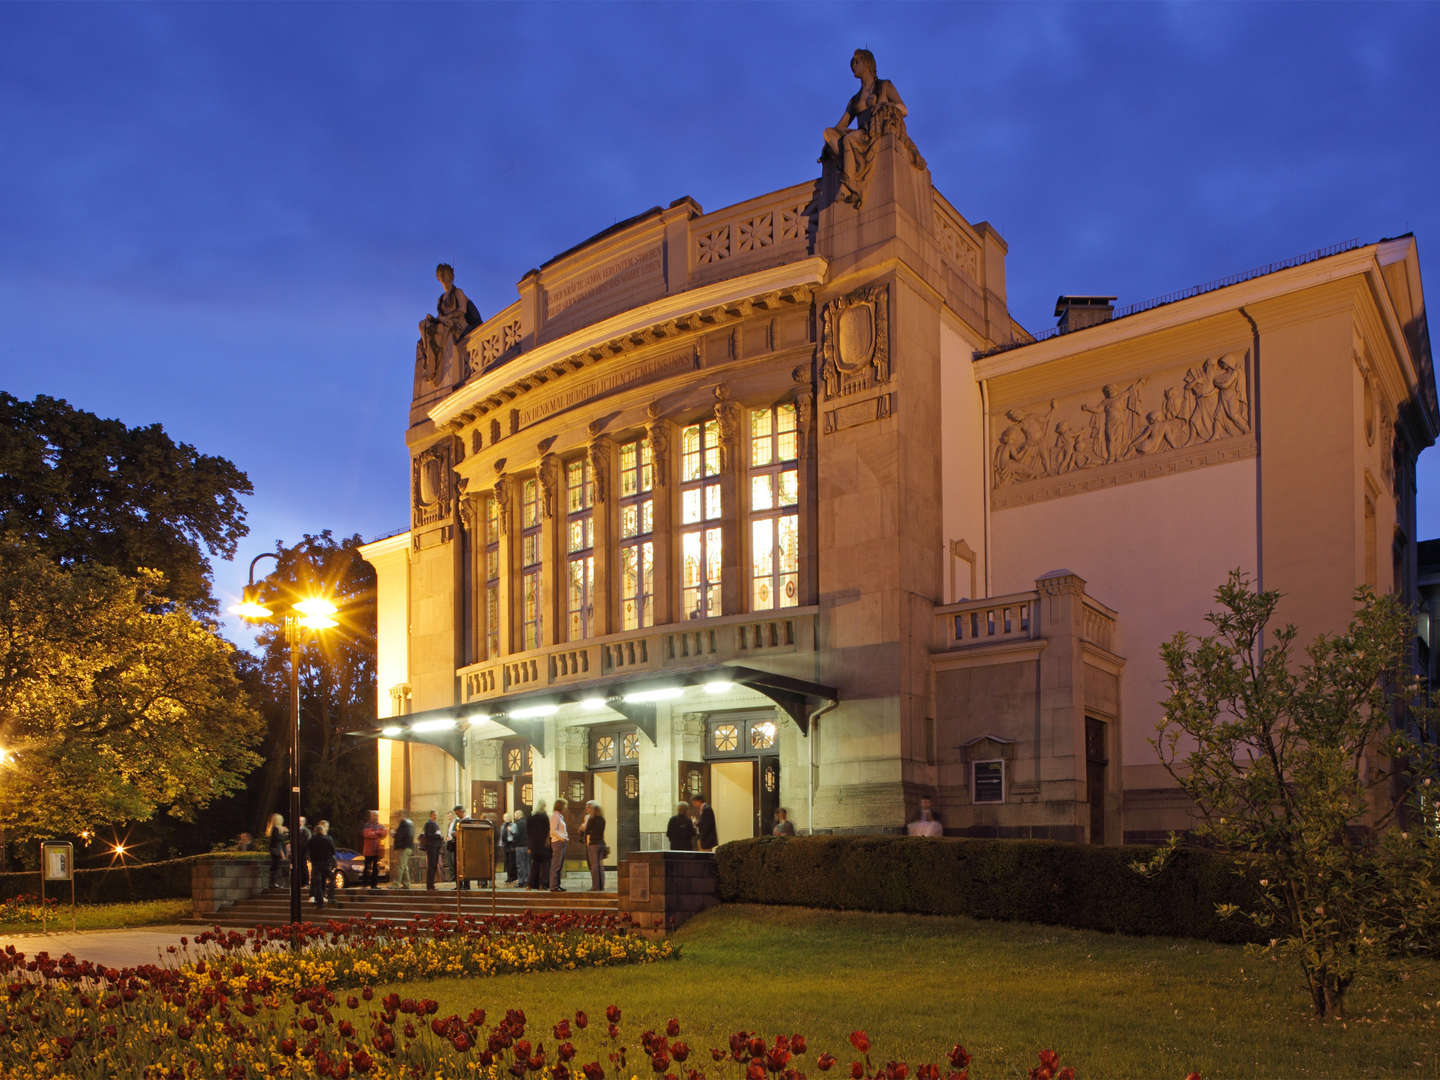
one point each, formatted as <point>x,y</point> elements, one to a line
<point>777,504</point>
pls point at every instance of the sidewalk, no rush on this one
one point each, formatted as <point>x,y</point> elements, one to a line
<point>113,948</point>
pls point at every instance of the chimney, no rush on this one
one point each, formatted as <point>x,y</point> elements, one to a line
<point>1076,312</point>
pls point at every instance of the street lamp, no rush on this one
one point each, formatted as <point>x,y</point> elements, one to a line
<point>311,613</point>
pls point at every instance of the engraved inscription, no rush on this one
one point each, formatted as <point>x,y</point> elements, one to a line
<point>623,271</point>
<point>655,367</point>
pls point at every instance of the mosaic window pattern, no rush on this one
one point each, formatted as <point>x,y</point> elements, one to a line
<point>513,760</point>
<point>632,786</point>
<point>695,782</point>
<point>762,735</point>
<point>604,748</point>
<point>579,548</point>
<point>700,512</point>
<point>637,530</point>
<point>531,617</point>
<point>492,577</point>
<point>774,508</point>
<point>725,737</point>
<point>771,778</point>
<point>490,799</point>
<point>527,794</point>
<point>632,747</point>
<point>577,792</point>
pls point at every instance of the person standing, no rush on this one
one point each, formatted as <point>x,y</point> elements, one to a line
<point>783,825</point>
<point>522,848</point>
<point>321,854</point>
<point>706,835</point>
<point>401,846</point>
<point>302,852</point>
<point>595,850</point>
<point>276,836</point>
<point>680,833</point>
<point>432,840</point>
<point>559,841</point>
<point>508,839</point>
<point>372,847</point>
<point>457,814</point>
<point>538,833</point>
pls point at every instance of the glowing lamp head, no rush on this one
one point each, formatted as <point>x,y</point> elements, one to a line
<point>249,606</point>
<point>316,613</point>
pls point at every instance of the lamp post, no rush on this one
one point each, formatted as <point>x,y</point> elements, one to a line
<point>311,613</point>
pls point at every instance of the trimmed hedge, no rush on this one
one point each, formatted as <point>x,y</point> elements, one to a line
<point>164,880</point>
<point>1039,881</point>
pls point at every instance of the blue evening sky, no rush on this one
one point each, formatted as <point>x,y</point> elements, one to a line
<point>225,217</point>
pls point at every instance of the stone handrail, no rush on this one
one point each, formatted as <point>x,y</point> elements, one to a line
<point>499,336</point>
<point>987,621</point>
<point>750,232</point>
<point>652,650</point>
<point>1097,624</point>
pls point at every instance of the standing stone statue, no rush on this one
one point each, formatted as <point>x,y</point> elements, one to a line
<point>455,314</point>
<point>875,110</point>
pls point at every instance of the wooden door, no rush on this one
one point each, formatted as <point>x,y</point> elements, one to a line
<point>694,780</point>
<point>576,788</point>
<point>487,800</point>
<point>524,784</point>
<point>627,813</point>
<point>767,794</point>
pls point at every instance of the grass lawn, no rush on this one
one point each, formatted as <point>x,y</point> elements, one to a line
<point>1152,1008</point>
<point>15,919</point>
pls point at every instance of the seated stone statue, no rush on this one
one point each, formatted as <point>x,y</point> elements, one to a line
<point>875,110</point>
<point>455,314</point>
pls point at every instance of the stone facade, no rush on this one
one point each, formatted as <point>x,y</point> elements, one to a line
<point>217,883</point>
<point>769,503</point>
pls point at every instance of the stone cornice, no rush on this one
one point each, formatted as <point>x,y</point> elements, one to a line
<point>630,329</point>
<point>378,549</point>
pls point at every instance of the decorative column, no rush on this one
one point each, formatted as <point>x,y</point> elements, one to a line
<point>732,461</point>
<point>552,533</point>
<point>602,461</point>
<point>658,432</point>
<point>804,397</point>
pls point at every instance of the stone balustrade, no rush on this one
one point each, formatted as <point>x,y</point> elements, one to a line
<point>987,621</point>
<point>731,639</point>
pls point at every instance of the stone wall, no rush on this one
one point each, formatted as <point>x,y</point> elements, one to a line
<point>662,889</point>
<point>218,883</point>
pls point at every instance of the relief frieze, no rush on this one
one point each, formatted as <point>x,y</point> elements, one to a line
<point>1186,418</point>
<point>432,483</point>
<point>855,342</point>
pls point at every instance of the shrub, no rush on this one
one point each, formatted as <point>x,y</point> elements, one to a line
<point>167,879</point>
<point>1040,881</point>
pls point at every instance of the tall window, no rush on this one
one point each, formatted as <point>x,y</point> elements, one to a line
<point>700,513</point>
<point>531,624</point>
<point>492,577</point>
<point>637,528</point>
<point>579,547</point>
<point>774,508</point>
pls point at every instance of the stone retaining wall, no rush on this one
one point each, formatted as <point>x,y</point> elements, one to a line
<point>218,883</point>
<point>662,889</point>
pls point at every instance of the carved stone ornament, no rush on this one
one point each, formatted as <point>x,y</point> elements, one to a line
<point>467,514</point>
<point>658,432</point>
<point>432,483</point>
<point>727,415</point>
<point>804,405</point>
<point>550,483</point>
<point>600,449</point>
<point>502,502</point>
<point>855,342</point>
<point>1194,416</point>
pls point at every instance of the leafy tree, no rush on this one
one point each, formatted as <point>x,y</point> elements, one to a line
<point>1294,764</point>
<point>95,491</point>
<point>337,684</point>
<point>113,703</point>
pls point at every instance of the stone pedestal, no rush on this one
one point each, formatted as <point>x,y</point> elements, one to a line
<point>662,889</point>
<point>218,883</point>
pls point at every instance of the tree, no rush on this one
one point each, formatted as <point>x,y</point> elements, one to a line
<point>89,490</point>
<point>113,703</point>
<point>1294,765</point>
<point>337,683</point>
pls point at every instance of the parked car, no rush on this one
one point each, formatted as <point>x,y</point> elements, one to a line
<point>350,868</point>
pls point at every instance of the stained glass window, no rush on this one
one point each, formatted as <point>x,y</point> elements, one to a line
<point>637,528</point>
<point>632,746</point>
<point>700,513</point>
<point>492,577</point>
<point>725,737</point>
<point>579,547</point>
<point>774,508</point>
<point>531,620</point>
<point>605,748</point>
<point>762,735</point>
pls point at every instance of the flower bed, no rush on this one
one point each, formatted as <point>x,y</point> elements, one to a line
<point>246,1004</point>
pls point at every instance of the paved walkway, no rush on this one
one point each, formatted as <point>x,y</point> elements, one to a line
<point>113,948</point>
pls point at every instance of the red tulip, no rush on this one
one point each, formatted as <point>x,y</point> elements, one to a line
<point>959,1056</point>
<point>680,1051</point>
<point>860,1041</point>
<point>562,1029</point>
<point>581,1020</point>
<point>797,1044</point>
<point>672,1027</point>
<point>825,1061</point>
<point>755,1071</point>
<point>612,1013</point>
<point>856,1070</point>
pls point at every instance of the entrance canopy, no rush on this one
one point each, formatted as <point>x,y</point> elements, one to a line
<point>524,715</point>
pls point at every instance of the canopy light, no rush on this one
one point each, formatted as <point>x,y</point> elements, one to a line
<point>531,711</point>
<point>392,731</point>
<point>592,703</point>
<point>476,719</point>
<point>440,723</point>
<point>660,693</point>
<point>719,686</point>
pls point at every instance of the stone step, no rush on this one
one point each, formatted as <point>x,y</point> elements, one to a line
<point>272,908</point>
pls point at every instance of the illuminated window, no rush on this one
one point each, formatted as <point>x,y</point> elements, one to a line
<point>725,737</point>
<point>774,514</point>
<point>579,548</point>
<point>492,577</point>
<point>762,735</point>
<point>632,747</point>
<point>604,748</point>
<point>637,528</point>
<point>531,622</point>
<point>700,512</point>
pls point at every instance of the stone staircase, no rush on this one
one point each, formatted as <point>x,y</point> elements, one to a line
<point>272,907</point>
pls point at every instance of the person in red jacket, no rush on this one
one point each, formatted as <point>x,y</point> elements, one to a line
<point>372,848</point>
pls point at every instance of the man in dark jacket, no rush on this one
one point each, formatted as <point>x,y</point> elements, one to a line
<point>432,841</point>
<point>402,843</point>
<point>321,851</point>
<point>680,833</point>
<point>537,833</point>
<point>706,835</point>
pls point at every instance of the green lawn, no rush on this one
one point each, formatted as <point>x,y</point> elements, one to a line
<point>1151,1008</point>
<point>26,920</point>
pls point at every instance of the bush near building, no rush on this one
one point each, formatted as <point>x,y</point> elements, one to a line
<point>1039,881</point>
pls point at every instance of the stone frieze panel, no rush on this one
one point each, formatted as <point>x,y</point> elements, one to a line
<point>1169,421</point>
